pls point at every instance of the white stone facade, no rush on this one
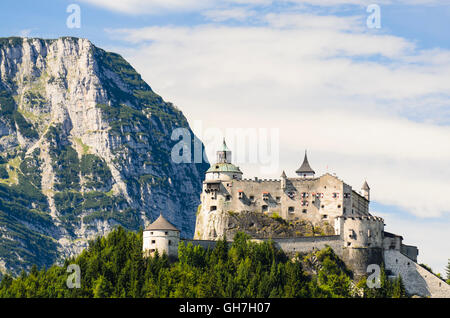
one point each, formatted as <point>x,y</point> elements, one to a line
<point>165,241</point>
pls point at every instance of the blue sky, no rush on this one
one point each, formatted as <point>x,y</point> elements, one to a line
<point>367,103</point>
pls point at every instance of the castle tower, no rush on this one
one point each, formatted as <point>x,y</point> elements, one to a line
<point>223,169</point>
<point>365,191</point>
<point>283,180</point>
<point>224,154</point>
<point>305,169</point>
<point>163,236</point>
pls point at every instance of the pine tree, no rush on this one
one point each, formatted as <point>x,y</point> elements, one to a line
<point>447,270</point>
<point>399,288</point>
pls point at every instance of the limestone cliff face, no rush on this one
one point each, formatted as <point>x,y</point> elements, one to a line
<point>215,224</point>
<point>84,145</point>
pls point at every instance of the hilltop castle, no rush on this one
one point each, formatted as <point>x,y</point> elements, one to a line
<point>358,237</point>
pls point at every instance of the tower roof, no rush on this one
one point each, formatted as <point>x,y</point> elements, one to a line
<point>224,167</point>
<point>365,186</point>
<point>162,224</point>
<point>224,146</point>
<point>305,167</point>
<point>283,175</point>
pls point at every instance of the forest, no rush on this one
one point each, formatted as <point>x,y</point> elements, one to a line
<point>114,266</point>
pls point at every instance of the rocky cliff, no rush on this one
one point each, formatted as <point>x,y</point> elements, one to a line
<point>215,224</point>
<point>84,146</point>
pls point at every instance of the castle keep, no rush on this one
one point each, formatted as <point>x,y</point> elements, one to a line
<point>306,197</point>
<point>358,237</point>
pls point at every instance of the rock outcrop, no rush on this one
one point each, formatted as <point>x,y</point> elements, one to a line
<point>258,225</point>
<point>85,145</point>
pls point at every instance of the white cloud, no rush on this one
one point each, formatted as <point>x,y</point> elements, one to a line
<point>305,80</point>
<point>151,6</point>
<point>25,32</point>
<point>139,7</point>
<point>239,14</point>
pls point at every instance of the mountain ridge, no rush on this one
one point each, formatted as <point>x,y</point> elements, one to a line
<point>84,146</point>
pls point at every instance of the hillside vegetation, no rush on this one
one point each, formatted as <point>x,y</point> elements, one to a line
<point>113,266</point>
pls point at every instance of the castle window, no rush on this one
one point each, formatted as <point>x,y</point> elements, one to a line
<point>252,198</point>
<point>304,195</point>
<point>339,206</point>
<point>265,196</point>
<point>151,233</point>
<point>349,244</point>
<point>213,208</point>
<point>345,210</point>
<point>153,241</point>
<point>241,194</point>
<point>346,195</point>
<point>335,195</point>
<point>304,203</point>
<point>278,199</point>
<point>152,250</point>
<point>291,209</point>
<point>170,242</point>
<point>228,198</point>
<point>369,233</point>
<point>324,216</point>
<point>323,206</point>
<point>305,211</point>
<point>264,208</point>
<point>166,233</point>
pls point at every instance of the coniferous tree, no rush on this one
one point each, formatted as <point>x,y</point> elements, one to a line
<point>447,271</point>
<point>113,266</point>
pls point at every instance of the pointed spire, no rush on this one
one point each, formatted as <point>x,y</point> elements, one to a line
<point>305,169</point>
<point>224,145</point>
<point>283,175</point>
<point>365,186</point>
<point>224,154</point>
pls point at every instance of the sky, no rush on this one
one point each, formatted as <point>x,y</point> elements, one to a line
<point>368,103</point>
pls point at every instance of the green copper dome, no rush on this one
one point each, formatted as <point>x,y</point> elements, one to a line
<point>224,167</point>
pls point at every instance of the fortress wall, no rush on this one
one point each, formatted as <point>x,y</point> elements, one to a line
<point>410,251</point>
<point>358,259</point>
<point>203,243</point>
<point>255,189</point>
<point>359,204</point>
<point>361,231</point>
<point>417,280</point>
<point>307,244</point>
<point>320,208</point>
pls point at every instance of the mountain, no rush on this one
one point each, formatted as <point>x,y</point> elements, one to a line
<point>85,145</point>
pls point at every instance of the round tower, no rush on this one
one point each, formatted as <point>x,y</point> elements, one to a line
<point>223,169</point>
<point>163,236</point>
<point>362,239</point>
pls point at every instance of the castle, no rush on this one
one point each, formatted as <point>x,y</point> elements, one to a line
<point>359,237</point>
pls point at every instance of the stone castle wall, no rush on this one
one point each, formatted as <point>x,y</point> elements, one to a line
<point>417,280</point>
<point>304,245</point>
<point>311,199</point>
